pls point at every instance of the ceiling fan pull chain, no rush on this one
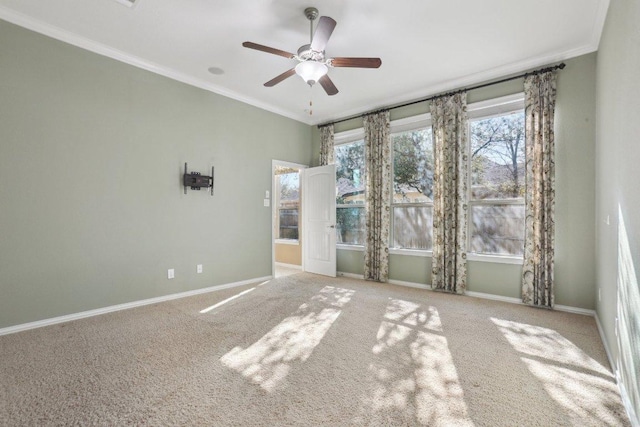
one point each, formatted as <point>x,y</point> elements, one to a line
<point>311,101</point>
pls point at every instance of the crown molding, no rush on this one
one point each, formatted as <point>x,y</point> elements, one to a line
<point>104,50</point>
<point>453,84</point>
<point>598,23</point>
<point>469,80</point>
<point>488,75</point>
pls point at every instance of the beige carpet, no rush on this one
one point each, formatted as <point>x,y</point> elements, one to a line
<point>306,350</point>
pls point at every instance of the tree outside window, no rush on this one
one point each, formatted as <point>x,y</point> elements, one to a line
<point>350,197</point>
<point>288,202</point>
<point>412,202</point>
<point>497,190</point>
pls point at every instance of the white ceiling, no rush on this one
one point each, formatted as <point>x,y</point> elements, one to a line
<point>426,46</point>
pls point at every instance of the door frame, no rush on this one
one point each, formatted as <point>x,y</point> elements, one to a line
<point>274,210</point>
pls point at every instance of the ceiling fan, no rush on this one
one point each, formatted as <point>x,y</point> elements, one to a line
<point>312,64</point>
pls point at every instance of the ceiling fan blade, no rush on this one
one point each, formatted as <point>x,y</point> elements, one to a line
<point>328,85</point>
<point>280,78</point>
<point>267,49</point>
<point>323,32</point>
<point>356,62</point>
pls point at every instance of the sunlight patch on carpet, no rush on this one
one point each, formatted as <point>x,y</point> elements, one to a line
<point>269,360</point>
<point>548,344</point>
<point>208,309</point>
<point>414,374</point>
<point>412,314</point>
<point>581,385</point>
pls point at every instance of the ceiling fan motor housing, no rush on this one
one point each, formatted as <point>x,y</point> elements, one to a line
<point>305,53</point>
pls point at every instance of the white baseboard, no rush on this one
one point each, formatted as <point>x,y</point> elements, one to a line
<point>125,306</point>
<point>510,300</point>
<point>350,275</point>
<point>410,284</point>
<point>391,282</point>
<point>576,310</point>
<point>604,342</point>
<point>285,265</point>
<point>567,308</point>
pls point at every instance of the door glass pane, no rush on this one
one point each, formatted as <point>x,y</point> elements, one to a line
<point>288,224</point>
<point>288,200</point>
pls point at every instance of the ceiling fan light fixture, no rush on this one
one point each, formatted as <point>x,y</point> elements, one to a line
<point>311,71</point>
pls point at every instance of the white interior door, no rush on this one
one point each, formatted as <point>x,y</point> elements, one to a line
<point>319,213</point>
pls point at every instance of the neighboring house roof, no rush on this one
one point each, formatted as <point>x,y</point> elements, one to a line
<point>345,188</point>
<point>495,172</point>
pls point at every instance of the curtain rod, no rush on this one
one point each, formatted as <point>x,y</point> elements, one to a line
<point>431,98</point>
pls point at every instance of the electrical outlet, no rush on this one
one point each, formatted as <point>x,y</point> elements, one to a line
<point>266,203</point>
<point>199,268</point>
<point>171,273</point>
<point>266,194</point>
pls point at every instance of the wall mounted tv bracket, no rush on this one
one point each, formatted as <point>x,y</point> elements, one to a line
<point>196,181</point>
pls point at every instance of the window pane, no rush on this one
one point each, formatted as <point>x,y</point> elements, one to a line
<point>288,199</point>
<point>288,224</point>
<point>289,189</point>
<point>350,178</point>
<point>350,225</point>
<point>497,157</point>
<point>412,227</point>
<point>413,166</point>
<point>497,229</point>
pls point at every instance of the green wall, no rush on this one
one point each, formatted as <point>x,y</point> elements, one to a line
<point>618,192</point>
<point>575,196</point>
<point>92,153</point>
<point>105,216</point>
<point>93,212</point>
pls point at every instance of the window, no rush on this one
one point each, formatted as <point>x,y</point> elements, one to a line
<point>350,183</point>
<point>497,177</point>
<point>412,199</point>
<point>288,202</point>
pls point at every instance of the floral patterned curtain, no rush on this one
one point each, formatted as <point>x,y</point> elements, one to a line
<point>450,210</point>
<point>326,145</point>
<point>537,278</point>
<point>378,196</point>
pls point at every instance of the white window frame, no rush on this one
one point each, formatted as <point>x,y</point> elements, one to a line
<point>484,110</point>
<point>420,121</point>
<point>343,138</point>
